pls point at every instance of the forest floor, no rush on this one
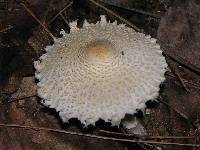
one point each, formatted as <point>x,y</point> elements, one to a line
<point>27,27</point>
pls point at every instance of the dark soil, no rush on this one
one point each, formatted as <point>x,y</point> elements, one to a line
<point>176,112</point>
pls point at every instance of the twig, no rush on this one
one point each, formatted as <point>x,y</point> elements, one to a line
<point>179,113</point>
<point>60,12</point>
<point>14,100</point>
<point>29,75</point>
<point>6,29</point>
<point>175,71</point>
<point>181,80</point>
<point>194,85</point>
<point>47,12</point>
<point>9,94</point>
<point>65,20</point>
<point>134,10</point>
<point>148,137</point>
<point>34,16</point>
<point>94,136</point>
<point>174,109</point>
<point>182,62</point>
<point>116,15</point>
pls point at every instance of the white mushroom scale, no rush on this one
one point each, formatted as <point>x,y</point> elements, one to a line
<point>100,71</point>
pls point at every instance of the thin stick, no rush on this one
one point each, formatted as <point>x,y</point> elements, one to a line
<point>34,16</point>
<point>181,80</point>
<point>65,20</point>
<point>94,136</point>
<point>14,100</point>
<point>47,12</point>
<point>116,15</point>
<point>175,71</point>
<point>148,137</point>
<point>6,29</point>
<point>60,12</point>
<point>177,111</point>
<point>182,62</point>
<point>192,84</point>
<point>134,10</point>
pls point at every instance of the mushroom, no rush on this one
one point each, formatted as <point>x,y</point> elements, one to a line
<point>100,71</point>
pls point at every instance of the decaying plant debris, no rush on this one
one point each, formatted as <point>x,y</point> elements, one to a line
<point>26,27</point>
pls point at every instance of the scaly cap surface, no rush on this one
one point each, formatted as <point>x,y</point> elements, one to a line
<point>102,70</point>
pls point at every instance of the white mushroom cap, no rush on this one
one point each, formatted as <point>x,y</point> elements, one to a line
<point>102,70</point>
